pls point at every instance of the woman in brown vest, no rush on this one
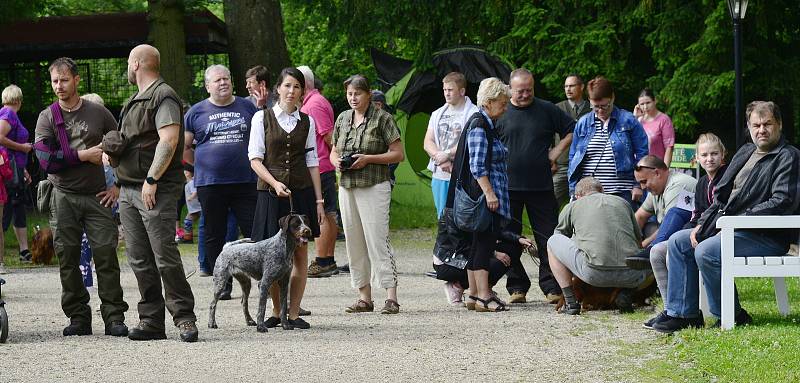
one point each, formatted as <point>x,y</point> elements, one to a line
<point>283,154</point>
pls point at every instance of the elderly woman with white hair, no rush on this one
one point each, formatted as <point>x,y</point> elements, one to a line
<point>484,173</point>
<point>14,138</point>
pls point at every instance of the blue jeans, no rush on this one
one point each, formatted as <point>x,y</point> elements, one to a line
<point>439,189</point>
<point>232,235</point>
<point>673,221</point>
<point>683,262</point>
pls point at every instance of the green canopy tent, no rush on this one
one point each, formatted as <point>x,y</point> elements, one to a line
<point>414,94</point>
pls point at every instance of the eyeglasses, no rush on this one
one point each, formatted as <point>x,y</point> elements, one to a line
<point>602,107</point>
<point>639,168</point>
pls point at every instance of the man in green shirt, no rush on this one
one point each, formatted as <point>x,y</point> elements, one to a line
<point>594,235</point>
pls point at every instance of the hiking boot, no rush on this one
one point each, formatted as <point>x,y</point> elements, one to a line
<point>570,309</point>
<point>640,260</point>
<point>517,297</point>
<point>146,331</point>
<point>299,323</point>
<point>188,331</point>
<point>624,301</point>
<point>116,328</point>
<point>77,328</point>
<point>454,294</point>
<point>742,318</point>
<point>25,256</point>
<point>3,269</point>
<point>656,319</point>
<point>315,270</point>
<point>361,306</point>
<point>390,307</point>
<point>671,324</point>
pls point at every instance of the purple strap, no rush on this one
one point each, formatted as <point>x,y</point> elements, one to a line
<point>70,155</point>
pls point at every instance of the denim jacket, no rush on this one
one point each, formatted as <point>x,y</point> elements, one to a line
<point>628,141</point>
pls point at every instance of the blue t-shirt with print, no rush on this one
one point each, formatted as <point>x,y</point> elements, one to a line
<point>222,134</point>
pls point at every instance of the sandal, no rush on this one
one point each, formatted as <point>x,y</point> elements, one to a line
<point>485,308</point>
<point>361,306</point>
<point>469,303</point>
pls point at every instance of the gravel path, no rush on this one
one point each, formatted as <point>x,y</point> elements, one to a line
<point>428,340</point>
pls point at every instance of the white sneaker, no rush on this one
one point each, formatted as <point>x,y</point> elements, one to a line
<point>3,269</point>
<point>454,294</point>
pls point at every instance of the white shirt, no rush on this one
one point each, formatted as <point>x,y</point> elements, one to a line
<point>287,121</point>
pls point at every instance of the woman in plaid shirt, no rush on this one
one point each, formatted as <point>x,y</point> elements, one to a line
<point>493,96</point>
<point>366,140</point>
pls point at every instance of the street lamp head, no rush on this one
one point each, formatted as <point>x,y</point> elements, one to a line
<point>737,8</point>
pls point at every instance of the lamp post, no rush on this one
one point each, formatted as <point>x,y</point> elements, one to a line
<point>738,8</point>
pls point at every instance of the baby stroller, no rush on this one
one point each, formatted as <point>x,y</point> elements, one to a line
<point>3,315</point>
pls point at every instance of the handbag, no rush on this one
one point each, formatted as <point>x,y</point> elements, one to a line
<point>470,213</point>
<point>452,245</point>
<point>17,179</point>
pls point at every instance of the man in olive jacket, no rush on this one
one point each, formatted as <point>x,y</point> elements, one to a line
<point>147,154</point>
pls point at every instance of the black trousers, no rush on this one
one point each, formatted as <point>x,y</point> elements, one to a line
<point>216,200</point>
<point>542,211</point>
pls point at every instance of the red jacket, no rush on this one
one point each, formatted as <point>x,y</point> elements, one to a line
<point>5,174</point>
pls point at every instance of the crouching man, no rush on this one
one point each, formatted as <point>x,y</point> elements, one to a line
<point>594,235</point>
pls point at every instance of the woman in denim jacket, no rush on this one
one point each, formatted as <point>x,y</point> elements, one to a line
<point>606,144</point>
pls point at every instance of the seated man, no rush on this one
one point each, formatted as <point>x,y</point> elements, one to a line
<point>762,179</point>
<point>670,199</point>
<point>594,235</point>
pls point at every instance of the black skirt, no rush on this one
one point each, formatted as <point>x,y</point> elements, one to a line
<point>270,208</point>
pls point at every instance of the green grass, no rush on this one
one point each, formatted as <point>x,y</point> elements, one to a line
<point>767,351</point>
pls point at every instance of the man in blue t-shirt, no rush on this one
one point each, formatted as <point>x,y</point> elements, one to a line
<point>220,126</point>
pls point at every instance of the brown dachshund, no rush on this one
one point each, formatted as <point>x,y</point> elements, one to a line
<point>42,251</point>
<point>602,298</point>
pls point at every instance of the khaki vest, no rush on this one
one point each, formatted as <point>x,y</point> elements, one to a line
<point>286,153</point>
<point>138,126</point>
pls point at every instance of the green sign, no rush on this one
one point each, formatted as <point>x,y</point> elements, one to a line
<point>683,156</point>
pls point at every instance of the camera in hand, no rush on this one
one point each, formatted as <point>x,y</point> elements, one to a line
<point>346,161</point>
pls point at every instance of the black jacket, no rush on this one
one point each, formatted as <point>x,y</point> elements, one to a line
<point>771,189</point>
<point>703,197</point>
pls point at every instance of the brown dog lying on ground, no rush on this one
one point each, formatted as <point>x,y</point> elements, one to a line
<point>42,251</point>
<point>604,298</point>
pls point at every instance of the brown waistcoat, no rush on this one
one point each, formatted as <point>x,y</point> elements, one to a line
<point>286,153</point>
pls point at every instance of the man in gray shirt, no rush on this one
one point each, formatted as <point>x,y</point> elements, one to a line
<point>594,235</point>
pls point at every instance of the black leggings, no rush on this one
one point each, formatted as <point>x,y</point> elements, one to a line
<point>453,274</point>
<point>14,208</point>
<point>483,245</point>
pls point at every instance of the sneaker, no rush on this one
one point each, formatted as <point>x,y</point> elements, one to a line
<point>671,324</point>
<point>656,319</point>
<point>299,323</point>
<point>517,297</point>
<point>145,331</point>
<point>77,328</point>
<point>204,273</point>
<point>390,307</point>
<point>571,309</point>
<point>552,298</point>
<point>742,318</point>
<point>3,269</point>
<point>315,270</point>
<point>25,256</point>
<point>344,269</point>
<point>117,328</point>
<point>188,331</point>
<point>454,294</point>
<point>303,313</point>
<point>624,301</point>
<point>639,261</point>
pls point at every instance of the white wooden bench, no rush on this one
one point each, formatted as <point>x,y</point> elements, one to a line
<point>778,267</point>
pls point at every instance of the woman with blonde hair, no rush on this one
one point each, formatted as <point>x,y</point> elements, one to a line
<point>14,138</point>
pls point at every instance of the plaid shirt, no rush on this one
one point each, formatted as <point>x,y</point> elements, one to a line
<point>478,145</point>
<point>372,136</point>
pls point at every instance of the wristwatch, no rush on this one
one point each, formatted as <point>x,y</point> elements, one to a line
<point>151,181</point>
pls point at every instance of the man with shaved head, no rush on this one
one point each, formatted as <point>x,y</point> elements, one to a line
<point>147,153</point>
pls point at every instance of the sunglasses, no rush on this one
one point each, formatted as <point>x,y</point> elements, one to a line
<point>639,168</point>
<point>602,107</point>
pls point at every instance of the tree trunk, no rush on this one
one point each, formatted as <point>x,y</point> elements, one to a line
<point>255,37</point>
<point>165,19</point>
